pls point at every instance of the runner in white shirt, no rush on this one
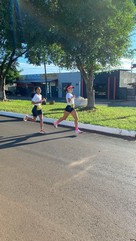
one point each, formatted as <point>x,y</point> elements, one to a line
<point>37,108</point>
<point>69,109</point>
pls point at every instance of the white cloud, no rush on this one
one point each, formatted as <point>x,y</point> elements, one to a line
<point>127,63</point>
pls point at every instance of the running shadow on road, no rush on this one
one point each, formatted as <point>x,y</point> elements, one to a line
<point>17,141</point>
<point>10,120</point>
<point>30,135</point>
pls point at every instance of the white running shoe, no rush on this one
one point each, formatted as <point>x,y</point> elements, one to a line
<point>42,131</point>
<point>78,131</point>
<point>25,118</point>
<point>55,124</point>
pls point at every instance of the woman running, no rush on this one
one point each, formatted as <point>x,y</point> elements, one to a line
<point>37,108</point>
<point>69,109</point>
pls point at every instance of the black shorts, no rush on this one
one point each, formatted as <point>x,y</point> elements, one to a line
<point>69,108</point>
<point>36,112</point>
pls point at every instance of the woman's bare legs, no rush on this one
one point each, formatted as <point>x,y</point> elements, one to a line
<point>33,119</point>
<point>64,117</point>
<point>28,118</point>
<point>75,116</point>
<point>41,121</point>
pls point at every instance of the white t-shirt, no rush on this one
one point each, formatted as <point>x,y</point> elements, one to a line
<point>37,98</point>
<point>69,96</point>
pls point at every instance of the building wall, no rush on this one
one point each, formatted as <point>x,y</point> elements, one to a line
<point>116,84</point>
<point>64,79</point>
<point>26,84</point>
<point>127,78</point>
<point>106,85</point>
<point>109,85</point>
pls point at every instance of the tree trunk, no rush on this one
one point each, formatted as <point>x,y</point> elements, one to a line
<point>88,78</point>
<point>90,92</point>
<point>2,88</point>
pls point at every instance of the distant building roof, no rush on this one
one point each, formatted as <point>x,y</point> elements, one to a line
<point>37,78</point>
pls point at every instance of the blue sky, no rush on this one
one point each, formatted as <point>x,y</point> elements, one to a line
<point>32,69</point>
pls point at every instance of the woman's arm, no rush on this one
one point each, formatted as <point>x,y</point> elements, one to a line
<point>73,97</point>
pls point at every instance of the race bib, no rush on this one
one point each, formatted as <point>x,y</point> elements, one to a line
<point>39,107</point>
<point>72,105</point>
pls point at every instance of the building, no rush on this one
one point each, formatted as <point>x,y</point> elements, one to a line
<point>55,84</point>
<point>116,84</point>
<point>27,83</point>
<point>64,79</point>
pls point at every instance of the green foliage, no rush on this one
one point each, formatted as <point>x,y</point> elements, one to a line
<point>87,35</point>
<point>38,55</point>
<point>92,35</point>
<point>12,75</point>
<point>94,32</point>
<point>10,22</point>
<point>83,34</point>
<point>19,29</point>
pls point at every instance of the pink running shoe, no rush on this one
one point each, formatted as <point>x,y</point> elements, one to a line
<point>78,131</point>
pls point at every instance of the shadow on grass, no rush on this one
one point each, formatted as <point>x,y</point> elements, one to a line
<point>122,104</point>
<point>57,109</point>
<point>85,109</point>
<point>117,118</point>
<point>52,113</point>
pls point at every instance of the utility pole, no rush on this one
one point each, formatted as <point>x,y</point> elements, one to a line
<point>45,72</point>
<point>132,67</point>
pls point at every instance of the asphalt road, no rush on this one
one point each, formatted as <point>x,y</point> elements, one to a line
<point>63,187</point>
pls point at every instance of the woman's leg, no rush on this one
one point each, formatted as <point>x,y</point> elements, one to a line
<point>75,116</point>
<point>34,113</point>
<point>41,121</point>
<point>64,117</point>
<point>28,118</point>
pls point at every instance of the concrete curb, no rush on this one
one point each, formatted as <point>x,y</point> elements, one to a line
<point>102,129</point>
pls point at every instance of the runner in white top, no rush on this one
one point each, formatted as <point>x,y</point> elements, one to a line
<point>37,99</point>
<point>70,99</point>
<point>69,109</point>
<point>37,108</point>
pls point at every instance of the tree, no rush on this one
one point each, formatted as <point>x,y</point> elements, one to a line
<point>13,75</point>
<point>19,31</point>
<point>38,55</point>
<point>11,41</point>
<point>45,54</point>
<point>91,34</point>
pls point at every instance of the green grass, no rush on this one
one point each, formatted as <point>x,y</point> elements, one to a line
<point>118,117</point>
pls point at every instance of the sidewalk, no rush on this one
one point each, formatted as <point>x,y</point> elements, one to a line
<point>86,127</point>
